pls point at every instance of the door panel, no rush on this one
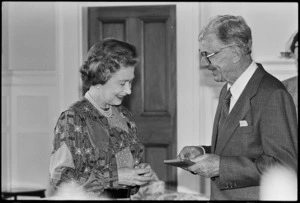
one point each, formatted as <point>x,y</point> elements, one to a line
<point>153,100</point>
<point>115,30</point>
<point>156,93</point>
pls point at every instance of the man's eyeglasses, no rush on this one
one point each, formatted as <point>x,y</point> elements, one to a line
<point>206,55</point>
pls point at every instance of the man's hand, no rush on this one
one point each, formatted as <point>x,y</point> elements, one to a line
<point>206,165</point>
<point>190,152</point>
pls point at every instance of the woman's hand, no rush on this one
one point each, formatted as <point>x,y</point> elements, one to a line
<point>93,188</point>
<point>151,173</point>
<point>140,175</point>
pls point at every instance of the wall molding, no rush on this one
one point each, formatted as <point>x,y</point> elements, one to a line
<point>13,78</point>
<point>274,61</point>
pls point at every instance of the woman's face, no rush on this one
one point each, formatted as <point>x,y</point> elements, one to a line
<point>118,86</point>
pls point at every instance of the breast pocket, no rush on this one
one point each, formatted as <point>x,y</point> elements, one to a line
<point>245,130</point>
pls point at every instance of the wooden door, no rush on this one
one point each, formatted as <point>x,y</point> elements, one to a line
<point>153,100</point>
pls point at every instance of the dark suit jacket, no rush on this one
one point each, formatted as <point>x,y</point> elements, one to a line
<point>291,86</point>
<point>271,137</point>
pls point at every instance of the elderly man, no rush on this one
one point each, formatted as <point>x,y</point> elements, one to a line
<point>255,126</point>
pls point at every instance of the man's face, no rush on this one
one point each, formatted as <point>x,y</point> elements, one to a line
<point>220,63</point>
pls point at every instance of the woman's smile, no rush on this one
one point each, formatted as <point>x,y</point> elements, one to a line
<point>120,97</point>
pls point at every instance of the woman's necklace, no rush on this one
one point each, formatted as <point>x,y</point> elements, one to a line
<point>106,113</point>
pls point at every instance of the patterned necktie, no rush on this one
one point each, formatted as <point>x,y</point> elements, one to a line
<point>224,112</point>
<point>225,107</point>
<point>227,102</point>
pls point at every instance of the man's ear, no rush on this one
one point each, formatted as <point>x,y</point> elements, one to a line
<point>237,54</point>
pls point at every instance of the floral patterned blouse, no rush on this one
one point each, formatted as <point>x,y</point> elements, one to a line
<point>89,147</point>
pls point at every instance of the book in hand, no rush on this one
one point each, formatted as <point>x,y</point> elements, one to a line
<point>179,163</point>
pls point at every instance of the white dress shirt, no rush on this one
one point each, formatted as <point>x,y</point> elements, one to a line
<point>239,85</point>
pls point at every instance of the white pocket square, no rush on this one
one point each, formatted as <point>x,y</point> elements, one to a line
<point>243,123</point>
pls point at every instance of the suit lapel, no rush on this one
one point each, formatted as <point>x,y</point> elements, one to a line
<point>217,118</point>
<point>241,107</point>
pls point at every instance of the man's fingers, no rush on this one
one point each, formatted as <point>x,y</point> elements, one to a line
<point>199,158</point>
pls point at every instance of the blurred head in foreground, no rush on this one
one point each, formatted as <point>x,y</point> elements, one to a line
<point>280,184</point>
<point>73,191</point>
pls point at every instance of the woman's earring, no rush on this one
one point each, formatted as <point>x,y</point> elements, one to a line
<point>98,87</point>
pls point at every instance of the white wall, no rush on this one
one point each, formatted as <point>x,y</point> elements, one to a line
<point>28,92</point>
<point>42,51</point>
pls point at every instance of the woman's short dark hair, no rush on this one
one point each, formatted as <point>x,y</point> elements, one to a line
<point>104,58</point>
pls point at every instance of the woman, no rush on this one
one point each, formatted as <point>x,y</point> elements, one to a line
<point>96,143</point>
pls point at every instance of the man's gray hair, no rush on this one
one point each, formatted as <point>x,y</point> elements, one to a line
<point>230,30</point>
